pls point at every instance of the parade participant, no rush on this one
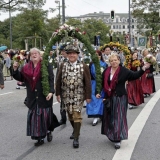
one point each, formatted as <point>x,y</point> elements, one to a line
<point>114,120</point>
<point>147,80</point>
<point>158,61</point>
<point>40,113</point>
<point>122,57</point>
<point>73,85</point>
<point>134,89</point>
<point>94,109</point>
<point>1,73</point>
<point>62,60</point>
<point>7,65</point>
<point>106,54</point>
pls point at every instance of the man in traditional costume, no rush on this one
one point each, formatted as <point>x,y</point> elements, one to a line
<point>73,86</point>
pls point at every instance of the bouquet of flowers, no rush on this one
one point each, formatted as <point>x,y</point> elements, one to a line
<point>136,63</point>
<point>150,59</point>
<point>19,59</point>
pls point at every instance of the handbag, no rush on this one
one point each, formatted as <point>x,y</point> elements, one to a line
<point>150,75</point>
<point>107,104</point>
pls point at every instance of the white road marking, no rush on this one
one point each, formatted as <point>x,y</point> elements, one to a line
<point>156,77</point>
<point>9,81</point>
<point>127,146</point>
<point>6,93</point>
<point>55,103</point>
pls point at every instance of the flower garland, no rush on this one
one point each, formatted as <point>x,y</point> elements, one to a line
<point>58,35</point>
<point>136,63</point>
<point>121,47</point>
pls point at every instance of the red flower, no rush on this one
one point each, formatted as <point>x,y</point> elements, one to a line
<point>77,29</point>
<point>84,32</point>
<point>18,57</point>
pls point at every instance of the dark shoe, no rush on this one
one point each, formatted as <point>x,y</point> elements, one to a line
<point>84,106</point>
<point>117,145</point>
<point>75,143</point>
<point>144,95</point>
<point>72,136</point>
<point>148,94</point>
<point>25,102</point>
<point>62,122</point>
<point>17,87</point>
<point>49,136</point>
<point>39,142</point>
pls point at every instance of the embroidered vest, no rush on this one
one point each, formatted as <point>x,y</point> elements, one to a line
<point>72,86</point>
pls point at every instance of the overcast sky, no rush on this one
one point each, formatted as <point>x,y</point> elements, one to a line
<point>81,7</point>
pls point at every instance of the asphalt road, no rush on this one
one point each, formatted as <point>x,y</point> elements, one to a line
<point>15,145</point>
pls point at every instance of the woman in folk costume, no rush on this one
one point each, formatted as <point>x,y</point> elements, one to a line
<point>40,114</point>
<point>134,89</point>
<point>114,121</point>
<point>147,80</point>
<point>94,109</point>
<point>7,65</point>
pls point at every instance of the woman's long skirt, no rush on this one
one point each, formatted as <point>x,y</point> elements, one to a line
<point>6,71</point>
<point>95,107</point>
<point>39,121</point>
<point>114,122</point>
<point>148,84</point>
<point>135,93</point>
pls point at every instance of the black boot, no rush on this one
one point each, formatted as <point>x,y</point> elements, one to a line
<point>63,117</point>
<point>72,124</point>
<point>77,126</point>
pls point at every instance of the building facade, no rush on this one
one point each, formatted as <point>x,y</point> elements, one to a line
<point>120,23</point>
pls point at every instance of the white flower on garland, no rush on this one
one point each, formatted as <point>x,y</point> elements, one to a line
<point>102,69</point>
<point>50,60</point>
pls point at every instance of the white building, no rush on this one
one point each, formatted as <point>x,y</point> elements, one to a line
<point>119,24</point>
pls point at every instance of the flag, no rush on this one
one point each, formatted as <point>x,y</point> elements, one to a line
<point>142,41</point>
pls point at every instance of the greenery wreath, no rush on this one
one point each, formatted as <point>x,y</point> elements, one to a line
<point>57,36</point>
<point>120,47</point>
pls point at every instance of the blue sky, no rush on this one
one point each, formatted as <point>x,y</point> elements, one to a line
<point>80,7</point>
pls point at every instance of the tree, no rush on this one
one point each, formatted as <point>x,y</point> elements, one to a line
<point>147,15</point>
<point>96,27</point>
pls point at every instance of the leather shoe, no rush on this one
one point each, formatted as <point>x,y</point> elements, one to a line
<point>72,136</point>
<point>62,122</point>
<point>39,142</point>
<point>75,143</point>
<point>49,136</point>
<point>94,124</point>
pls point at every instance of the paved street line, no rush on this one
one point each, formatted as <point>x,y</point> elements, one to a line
<point>9,81</point>
<point>55,103</point>
<point>6,93</point>
<point>127,146</point>
<point>156,77</point>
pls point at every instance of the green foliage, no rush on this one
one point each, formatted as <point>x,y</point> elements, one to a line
<point>58,38</point>
<point>147,14</point>
<point>96,27</point>
<point>92,27</point>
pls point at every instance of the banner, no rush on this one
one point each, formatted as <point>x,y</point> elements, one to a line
<point>142,41</point>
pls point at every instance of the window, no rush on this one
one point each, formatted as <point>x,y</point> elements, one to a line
<point>124,27</point>
<point>113,26</point>
<point>119,26</point>
<point>132,20</point>
<point>132,26</point>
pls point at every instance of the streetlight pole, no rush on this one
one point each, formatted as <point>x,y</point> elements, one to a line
<point>130,38</point>
<point>63,11</point>
<point>10,21</point>
<point>59,11</point>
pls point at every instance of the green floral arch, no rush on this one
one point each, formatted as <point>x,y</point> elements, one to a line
<point>57,37</point>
